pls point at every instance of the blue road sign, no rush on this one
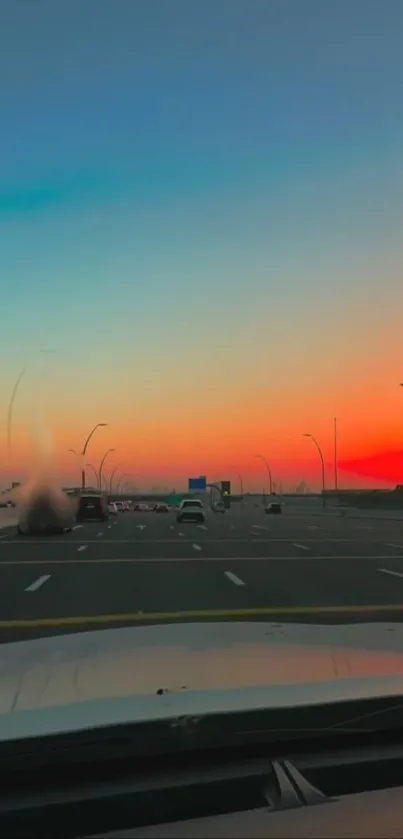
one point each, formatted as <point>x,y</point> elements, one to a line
<point>197,484</point>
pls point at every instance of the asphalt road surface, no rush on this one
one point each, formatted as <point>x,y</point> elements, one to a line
<point>144,567</point>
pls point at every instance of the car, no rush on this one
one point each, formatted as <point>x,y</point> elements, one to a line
<point>190,509</point>
<point>45,510</point>
<point>161,508</point>
<point>218,508</point>
<point>274,508</point>
<point>92,507</point>
<point>112,508</point>
<point>119,506</point>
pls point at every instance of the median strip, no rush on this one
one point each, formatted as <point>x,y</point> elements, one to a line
<point>201,615</point>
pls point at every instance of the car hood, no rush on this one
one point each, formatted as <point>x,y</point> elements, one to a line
<point>70,682</point>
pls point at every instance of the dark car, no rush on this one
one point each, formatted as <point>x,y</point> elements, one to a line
<point>161,508</point>
<point>274,508</point>
<point>92,508</point>
<point>45,512</point>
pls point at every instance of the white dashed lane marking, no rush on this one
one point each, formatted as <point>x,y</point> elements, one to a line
<point>234,579</point>
<point>196,547</point>
<point>82,548</point>
<point>391,545</point>
<point>303,547</point>
<point>100,534</point>
<point>38,583</point>
<point>392,573</point>
<point>77,526</point>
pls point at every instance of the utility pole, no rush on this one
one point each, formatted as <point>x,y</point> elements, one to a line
<point>336,482</point>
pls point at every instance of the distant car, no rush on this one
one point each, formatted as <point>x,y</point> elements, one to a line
<point>119,506</point>
<point>141,508</point>
<point>274,508</point>
<point>112,508</point>
<point>92,508</point>
<point>161,508</point>
<point>190,510</point>
<point>45,511</point>
<point>218,508</point>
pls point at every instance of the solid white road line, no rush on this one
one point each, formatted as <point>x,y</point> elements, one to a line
<point>174,560</point>
<point>303,547</point>
<point>392,573</point>
<point>82,548</point>
<point>196,547</point>
<point>38,583</point>
<point>234,579</point>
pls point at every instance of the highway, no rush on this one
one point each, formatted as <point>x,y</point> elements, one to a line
<point>144,567</point>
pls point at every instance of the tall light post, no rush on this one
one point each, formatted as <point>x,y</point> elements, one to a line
<point>336,477</point>
<point>90,466</point>
<point>12,400</point>
<point>83,453</point>
<point>125,475</point>
<point>240,479</point>
<point>314,440</point>
<point>268,471</point>
<point>10,409</point>
<point>112,477</point>
<point>102,466</point>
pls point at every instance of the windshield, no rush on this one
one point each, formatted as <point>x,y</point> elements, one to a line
<point>201,260</point>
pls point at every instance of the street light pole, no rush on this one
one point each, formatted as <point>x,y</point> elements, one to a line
<point>336,481</point>
<point>102,466</point>
<point>268,471</point>
<point>240,479</point>
<point>93,430</point>
<point>125,475</point>
<point>10,409</point>
<point>323,466</point>
<point>112,477</point>
<point>90,466</point>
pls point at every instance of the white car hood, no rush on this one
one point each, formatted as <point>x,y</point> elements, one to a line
<point>76,681</point>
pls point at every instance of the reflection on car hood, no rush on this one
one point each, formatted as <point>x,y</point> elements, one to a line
<point>69,682</point>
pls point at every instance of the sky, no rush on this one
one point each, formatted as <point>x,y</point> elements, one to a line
<point>201,215</point>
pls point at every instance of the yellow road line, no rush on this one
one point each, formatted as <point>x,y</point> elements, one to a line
<point>200,615</point>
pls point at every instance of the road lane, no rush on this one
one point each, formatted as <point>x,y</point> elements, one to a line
<point>243,565</point>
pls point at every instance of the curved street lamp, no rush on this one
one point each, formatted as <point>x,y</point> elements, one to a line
<point>112,477</point>
<point>268,471</point>
<point>314,440</point>
<point>102,466</point>
<point>125,475</point>
<point>92,432</point>
<point>240,479</point>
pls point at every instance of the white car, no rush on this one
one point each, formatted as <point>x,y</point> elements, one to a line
<point>191,509</point>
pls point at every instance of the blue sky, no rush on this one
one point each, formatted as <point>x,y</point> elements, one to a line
<point>205,175</point>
